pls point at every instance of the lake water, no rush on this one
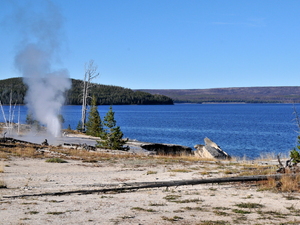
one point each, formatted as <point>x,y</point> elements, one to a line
<point>239,129</point>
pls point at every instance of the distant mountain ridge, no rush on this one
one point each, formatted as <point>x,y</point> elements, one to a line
<point>105,94</point>
<point>284,94</point>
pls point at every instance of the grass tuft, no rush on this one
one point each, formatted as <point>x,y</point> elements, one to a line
<point>180,171</point>
<point>2,184</point>
<point>1,168</point>
<point>172,219</point>
<point>151,172</point>
<point>56,160</point>
<point>217,222</point>
<point>55,213</point>
<point>287,183</point>
<point>240,211</point>
<point>249,205</point>
<point>142,209</point>
<point>32,212</point>
<point>172,198</point>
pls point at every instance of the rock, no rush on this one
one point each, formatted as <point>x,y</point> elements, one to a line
<point>167,149</point>
<point>210,151</point>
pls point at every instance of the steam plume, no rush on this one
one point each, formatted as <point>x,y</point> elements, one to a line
<point>40,27</point>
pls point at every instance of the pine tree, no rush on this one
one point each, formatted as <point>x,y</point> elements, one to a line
<point>111,136</point>
<point>94,123</point>
<point>79,126</point>
<point>33,122</point>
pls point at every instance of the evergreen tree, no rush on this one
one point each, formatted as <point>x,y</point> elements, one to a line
<point>94,123</point>
<point>32,122</point>
<point>111,136</point>
<point>29,119</point>
<point>61,119</point>
<point>79,126</point>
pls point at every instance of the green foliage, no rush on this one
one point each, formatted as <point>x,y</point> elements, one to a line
<point>295,154</point>
<point>114,95</point>
<point>61,118</point>
<point>31,121</point>
<point>105,94</point>
<point>94,124</point>
<point>111,136</point>
<point>79,126</point>
<point>56,160</point>
<point>14,87</point>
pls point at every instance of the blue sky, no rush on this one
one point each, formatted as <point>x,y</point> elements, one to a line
<point>170,44</point>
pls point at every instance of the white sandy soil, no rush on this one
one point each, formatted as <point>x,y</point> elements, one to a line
<point>177,205</point>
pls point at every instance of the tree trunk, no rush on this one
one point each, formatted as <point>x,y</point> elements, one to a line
<point>141,185</point>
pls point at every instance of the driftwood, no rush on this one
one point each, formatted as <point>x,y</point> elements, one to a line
<point>142,185</point>
<point>289,167</point>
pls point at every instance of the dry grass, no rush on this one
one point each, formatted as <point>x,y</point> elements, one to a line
<point>1,167</point>
<point>251,170</point>
<point>186,163</point>
<point>19,151</point>
<point>272,156</point>
<point>151,172</point>
<point>2,184</point>
<point>180,170</point>
<point>287,183</point>
<point>3,155</point>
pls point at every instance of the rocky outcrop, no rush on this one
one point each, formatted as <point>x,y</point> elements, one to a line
<point>210,151</point>
<point>167,149</point>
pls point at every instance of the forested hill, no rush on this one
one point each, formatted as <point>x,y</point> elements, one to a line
<point>106,94</point>
<point>229,95</point>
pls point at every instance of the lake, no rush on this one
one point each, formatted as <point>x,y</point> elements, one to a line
<point>239,129</point>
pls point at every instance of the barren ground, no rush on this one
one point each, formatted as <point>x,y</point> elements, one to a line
<point>231,203</point>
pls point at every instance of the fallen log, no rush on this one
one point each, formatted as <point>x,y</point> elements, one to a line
<point>142,185</point>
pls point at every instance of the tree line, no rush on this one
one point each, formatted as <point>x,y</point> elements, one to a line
<point>15,89</point>
<point>222,95</point>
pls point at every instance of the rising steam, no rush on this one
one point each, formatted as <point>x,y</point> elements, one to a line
<point>38,53</point>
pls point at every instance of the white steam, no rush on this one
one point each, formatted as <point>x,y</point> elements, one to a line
<point>40,28</point>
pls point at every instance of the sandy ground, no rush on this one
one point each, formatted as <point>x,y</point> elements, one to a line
<point>217,204</point>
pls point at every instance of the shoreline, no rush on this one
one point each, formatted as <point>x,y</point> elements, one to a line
<point>85,172</point>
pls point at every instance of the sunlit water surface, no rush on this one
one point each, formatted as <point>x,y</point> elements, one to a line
<point>239,129</point>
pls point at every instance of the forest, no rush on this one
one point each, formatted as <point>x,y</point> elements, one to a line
<point>15,89</point>
<point>281,94</point>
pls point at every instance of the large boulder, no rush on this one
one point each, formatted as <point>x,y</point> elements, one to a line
<point>210,150</point>
<point>167,149</point>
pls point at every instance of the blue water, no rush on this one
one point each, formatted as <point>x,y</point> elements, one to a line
<point>239,129</point>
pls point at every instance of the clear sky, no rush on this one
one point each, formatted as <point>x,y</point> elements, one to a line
<point>169,44</point>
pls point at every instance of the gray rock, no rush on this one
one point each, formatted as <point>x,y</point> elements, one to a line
<point>210,150</point>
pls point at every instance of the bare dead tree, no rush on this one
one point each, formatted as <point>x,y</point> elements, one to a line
<point>89,75</point>
<point>156,184</point>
